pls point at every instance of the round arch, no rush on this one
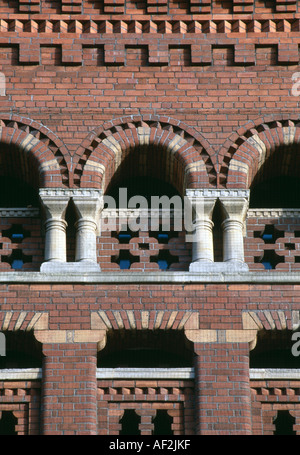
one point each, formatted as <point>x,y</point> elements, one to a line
<point>32,152</point>
<point>243,155</point>
<point>186,157</point>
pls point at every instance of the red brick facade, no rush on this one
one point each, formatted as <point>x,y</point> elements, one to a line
<point>199,95</point>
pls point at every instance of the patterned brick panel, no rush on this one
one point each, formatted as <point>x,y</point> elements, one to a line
<point>273,243</point>
<point>144,250</point>
<point>271,396</point>
<point>23,399</point>
<point>145,397</point>
<point>21,244</point>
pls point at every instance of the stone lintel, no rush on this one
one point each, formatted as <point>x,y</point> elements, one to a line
<point>222,336</point>
<point>72,336</point>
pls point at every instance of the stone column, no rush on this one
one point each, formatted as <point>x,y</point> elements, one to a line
<point>55,204</point>
<point>88,206</point>
<point>235,212</point>
<point>202,236</point>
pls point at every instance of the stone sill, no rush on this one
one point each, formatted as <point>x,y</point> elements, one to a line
<point>151,277</point>
<point>20,374</point>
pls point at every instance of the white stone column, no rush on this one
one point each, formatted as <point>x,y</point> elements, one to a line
<point>233,206</point>
<point>202,235</point>
<point>235,211</point>
<point>55,204</point>
<point>88,205</point>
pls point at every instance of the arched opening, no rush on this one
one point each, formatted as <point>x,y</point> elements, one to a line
<point>129,423</point>
<point>8,423</point>
<point>277,182</point>
<point>146,166</point>
<point>21,243</point>
<point>146,349</point>
<point>145,185</point>
<point>15,192</point>
<point>274,350</point>
<point>22,350</point>
<point>284,423</point>
<point>162,423</point>
<point>154,238</point>
<point>217,219</point>
<point>276,192</point>
<point>273,233</point>
<point>19,177</point>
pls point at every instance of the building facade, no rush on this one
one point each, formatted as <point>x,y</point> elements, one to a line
<point>149,217</point>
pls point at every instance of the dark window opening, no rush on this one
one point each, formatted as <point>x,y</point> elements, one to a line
<point>217,219</point>
<point>276,192</point>
<point>144,246</point>
<point>124,236</point>
<point>16,233</point>
<point>269,259</point>
<point>130,423</point>
<point>8,423</point>
<point>289,246</point>
<point>164,259</point>
<point>269,235</point>
<point>22,350</point>
<point>284,423</point>
<point>162,236</point>
<point>125,259</point>
<point>17,259</point>
<point>146,186</point>
<point>162,423</point>
<point>274,350</point>
<point>71,218</point>
<point>15,193</point>
<point>146,349</point>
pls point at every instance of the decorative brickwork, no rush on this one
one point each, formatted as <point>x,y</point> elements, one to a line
<point>199,99</point>
<point>22,399</point>
<point>173,397</point>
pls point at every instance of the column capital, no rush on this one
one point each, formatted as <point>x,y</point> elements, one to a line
<point>88,206</point>
<point>222,336</point>
<point>54,204</point>
<point>235,208</point>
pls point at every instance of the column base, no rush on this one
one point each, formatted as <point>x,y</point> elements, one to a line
<point>219,267</point>
<point>70,267</point>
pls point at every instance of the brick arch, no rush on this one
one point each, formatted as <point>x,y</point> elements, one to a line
<point>189,156</point>
<point>271,319</point>
<point>244,154</point>
<point>39,156</point>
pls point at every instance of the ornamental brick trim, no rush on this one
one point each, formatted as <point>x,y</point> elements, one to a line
<point>247,150</point>
<point>271,319</point>
<point>145,25</point>
<point>147,320</point>
<point>23,320</point>
<point>101,153</point>
<point>40,144</point>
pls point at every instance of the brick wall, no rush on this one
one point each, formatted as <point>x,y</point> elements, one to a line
<point>201,94</point>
